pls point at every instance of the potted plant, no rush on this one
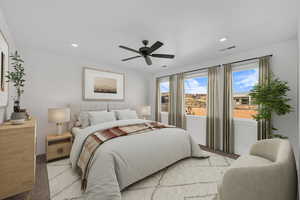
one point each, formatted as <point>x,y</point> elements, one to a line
<point>271,98</point>
<point>16,76</point>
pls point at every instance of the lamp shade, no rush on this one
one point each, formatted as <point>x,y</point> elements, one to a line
<point>58,115</point>
<point>146,110</point>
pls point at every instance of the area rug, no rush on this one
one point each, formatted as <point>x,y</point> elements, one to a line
<point>190,179</point>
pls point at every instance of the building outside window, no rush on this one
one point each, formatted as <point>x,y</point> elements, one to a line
<point>244,77</point>
<point>195,87</point>
<point>164,95</point>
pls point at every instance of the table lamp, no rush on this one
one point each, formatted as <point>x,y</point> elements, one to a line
<point>59,116</point>
<point>146,111</point>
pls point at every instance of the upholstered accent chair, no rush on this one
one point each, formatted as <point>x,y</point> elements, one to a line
<point>267,173</point>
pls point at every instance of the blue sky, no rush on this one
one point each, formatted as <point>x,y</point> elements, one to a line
<point>164,86</point>
<point>243,82</point>
<point>196,85</point>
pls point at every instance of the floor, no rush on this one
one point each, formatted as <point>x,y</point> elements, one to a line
<point>191,178</point>
<point>41,189</point>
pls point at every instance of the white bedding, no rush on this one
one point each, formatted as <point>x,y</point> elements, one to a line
<point>124,160</point>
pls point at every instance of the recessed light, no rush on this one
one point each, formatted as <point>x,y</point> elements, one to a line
<point>164,66</point>
<point>74,45</point>
<point>223,39</point>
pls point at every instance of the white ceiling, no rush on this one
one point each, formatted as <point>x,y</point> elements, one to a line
<point>190,29</point>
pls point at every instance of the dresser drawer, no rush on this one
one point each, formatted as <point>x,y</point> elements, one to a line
<point>58,150</point>
<point>17,158</point>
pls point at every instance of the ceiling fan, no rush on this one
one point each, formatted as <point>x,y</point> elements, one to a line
<point>146,52</point>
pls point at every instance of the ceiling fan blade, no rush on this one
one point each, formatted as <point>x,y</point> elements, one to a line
<point>154,47</point>
<point>163,56</point>
<point>148,60</point>
<point>129,49</point>
<point>131,58</point>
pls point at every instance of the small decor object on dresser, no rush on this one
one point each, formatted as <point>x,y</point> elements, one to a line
<point>102,85</point>
<point>4,51</point>
<point>58,146</point>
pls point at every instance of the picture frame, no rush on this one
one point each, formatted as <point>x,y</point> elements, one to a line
<point>103,85</point>
<point>4,67</point>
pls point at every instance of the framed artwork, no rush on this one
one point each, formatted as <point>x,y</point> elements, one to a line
<point>4,61</point>
<point>102,85</point>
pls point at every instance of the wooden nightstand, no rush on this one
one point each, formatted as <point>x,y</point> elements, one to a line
<point>58,146</point>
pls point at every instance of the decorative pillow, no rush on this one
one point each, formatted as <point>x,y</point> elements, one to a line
<point>126,114</point>
<point>83,119</point>
<point>116,112</point>
<point>98,117</point>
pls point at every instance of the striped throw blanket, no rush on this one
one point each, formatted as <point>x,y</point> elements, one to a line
<point>94,140</point>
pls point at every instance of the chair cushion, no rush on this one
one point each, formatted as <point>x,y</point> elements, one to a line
<point>249,161</point>
<point>267,148</point>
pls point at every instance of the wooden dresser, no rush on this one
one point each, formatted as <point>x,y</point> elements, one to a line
<point>17,158</point>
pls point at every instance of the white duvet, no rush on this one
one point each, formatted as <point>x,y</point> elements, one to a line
<point>122,161</point>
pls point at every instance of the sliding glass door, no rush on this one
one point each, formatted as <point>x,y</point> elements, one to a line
<point>195,88</point>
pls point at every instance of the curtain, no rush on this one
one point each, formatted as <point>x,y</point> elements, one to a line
<point>264,126</point>
<point>228,135</point>
<point>157,101</point>
<point>172,101</point>
<point>180,114</point>
<point>212,117</point>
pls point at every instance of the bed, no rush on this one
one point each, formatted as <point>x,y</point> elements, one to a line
<point>122,161</point>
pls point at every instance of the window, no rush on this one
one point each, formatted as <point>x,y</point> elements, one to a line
<point>244,77</point>
<point>164,95</point>
<point>195,88</point>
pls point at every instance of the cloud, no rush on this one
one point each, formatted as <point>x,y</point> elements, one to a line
<point>243,81</point>
<point>164,87</point>
<point>192,86</point>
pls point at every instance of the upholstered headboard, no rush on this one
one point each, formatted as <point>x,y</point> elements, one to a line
<point>117,106</point>
<point>92,106</point>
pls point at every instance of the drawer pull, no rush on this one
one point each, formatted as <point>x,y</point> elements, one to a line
<point>60,150</point>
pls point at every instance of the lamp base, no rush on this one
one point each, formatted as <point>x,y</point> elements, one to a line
<point>59,128</point>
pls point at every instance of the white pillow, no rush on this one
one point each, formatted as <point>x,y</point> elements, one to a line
<point>83,119</point>
<point>126,114</point>
<point>98,117</point>
<point>116,112</point>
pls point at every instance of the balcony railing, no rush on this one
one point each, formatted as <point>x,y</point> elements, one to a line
<point>245,131</point>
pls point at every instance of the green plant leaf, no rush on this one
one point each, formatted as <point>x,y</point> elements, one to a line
<point>17,75</point>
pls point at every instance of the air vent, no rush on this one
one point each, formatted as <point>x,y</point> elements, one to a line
<point>228,48</point>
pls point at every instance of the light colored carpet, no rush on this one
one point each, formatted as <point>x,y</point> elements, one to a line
<point>190,179</point>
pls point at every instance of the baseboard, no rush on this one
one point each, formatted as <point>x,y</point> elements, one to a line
<point>205,148</point>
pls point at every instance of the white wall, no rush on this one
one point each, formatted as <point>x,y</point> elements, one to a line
<point>284,65</point>
<point>7,34</point>
<point>56,80</point>
<point>299,97</point>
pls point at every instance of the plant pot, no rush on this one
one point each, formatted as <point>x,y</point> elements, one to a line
<point>18,118</point>
<point>18,115</point>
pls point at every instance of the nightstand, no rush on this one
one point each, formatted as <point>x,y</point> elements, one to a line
<point>58,146</point>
